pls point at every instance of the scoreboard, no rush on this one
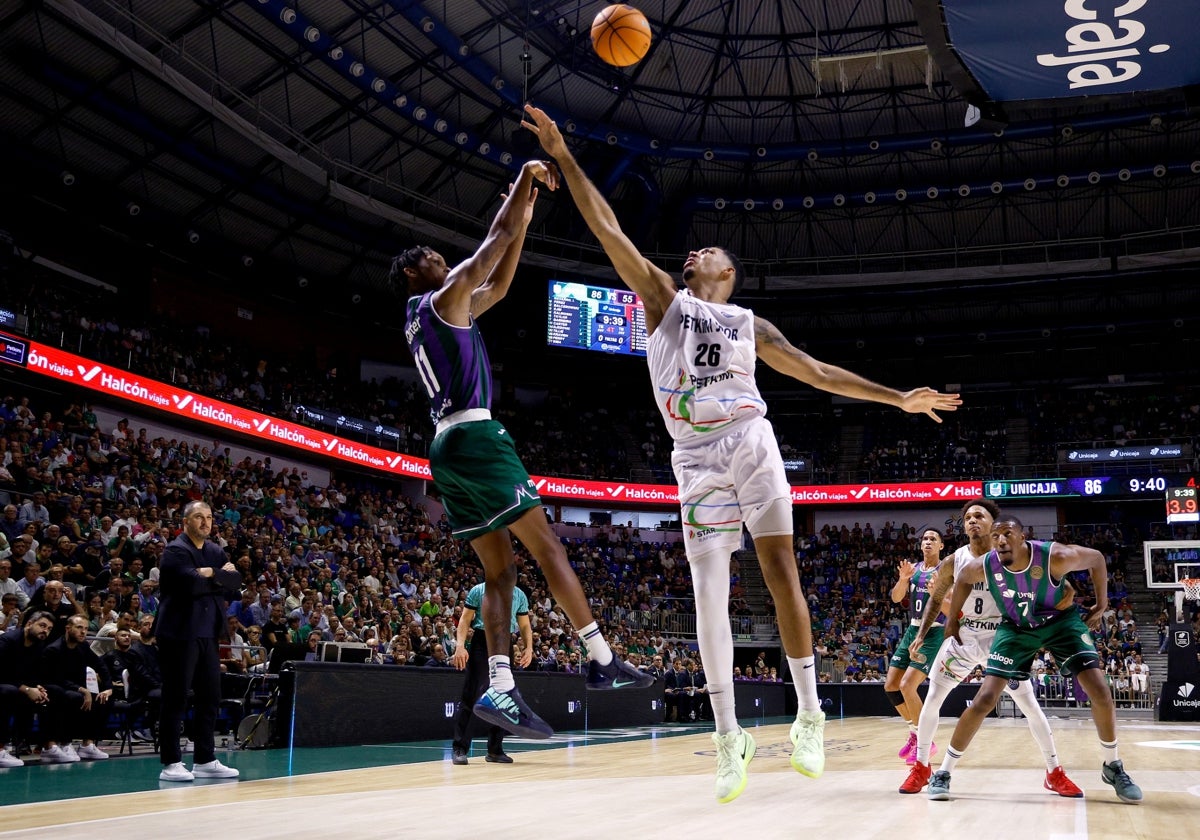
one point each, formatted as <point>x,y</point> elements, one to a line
<point>595,318</point>
<point>1091,486</point>
<point>1181,504</point>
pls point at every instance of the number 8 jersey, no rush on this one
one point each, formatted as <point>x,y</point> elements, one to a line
<point>980,613</point>
<point>701,359</point>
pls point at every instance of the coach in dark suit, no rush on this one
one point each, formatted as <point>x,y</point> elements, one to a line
<point>195,576</point>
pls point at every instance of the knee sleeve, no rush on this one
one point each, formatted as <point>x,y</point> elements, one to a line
<point>770,519</point>
<point>896,698</point>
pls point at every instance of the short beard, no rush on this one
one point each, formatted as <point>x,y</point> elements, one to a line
<point>688,274</point>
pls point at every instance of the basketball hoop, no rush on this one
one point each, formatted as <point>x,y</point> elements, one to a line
<point>1191,589</point>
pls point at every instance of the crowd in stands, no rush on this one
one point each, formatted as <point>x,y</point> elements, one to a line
<point>568,435</point>
<point>971,443</point>
<point>87,512</point>
<point>1100,418</point>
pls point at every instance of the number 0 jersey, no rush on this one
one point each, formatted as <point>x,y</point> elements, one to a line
<point>701,359</point>
<point>919,594</point>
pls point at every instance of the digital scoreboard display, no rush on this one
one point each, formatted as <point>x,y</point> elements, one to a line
<point>1181,505</point>
<point>1089,487</point>
<point>595,318</point>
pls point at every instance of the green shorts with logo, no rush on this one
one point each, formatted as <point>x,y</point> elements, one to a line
<point>1066,636</point>
<point>929,649</point>
<point>483,483</point>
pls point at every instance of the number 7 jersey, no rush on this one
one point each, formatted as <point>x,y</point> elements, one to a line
<point>701,359</point>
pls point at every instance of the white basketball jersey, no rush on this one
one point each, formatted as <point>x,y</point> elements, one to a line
<point>980,612</point>
<point>701,360</point>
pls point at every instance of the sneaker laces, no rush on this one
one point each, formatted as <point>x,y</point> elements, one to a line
<point>726,752</point>
<point>807,734</point>
<point>504,702</point>
<point>1119,774</point>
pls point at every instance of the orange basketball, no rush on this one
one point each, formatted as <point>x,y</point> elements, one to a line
<point>620,35</point>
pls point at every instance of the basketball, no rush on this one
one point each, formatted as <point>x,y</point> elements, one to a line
<point>620,35</point>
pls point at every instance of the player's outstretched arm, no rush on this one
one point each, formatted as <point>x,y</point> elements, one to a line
<point>774,349</point>
<point>453,300</point>
<point>495,287</point>
<point>653,285</point>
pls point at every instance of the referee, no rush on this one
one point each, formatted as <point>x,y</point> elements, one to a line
<point>475,660</point>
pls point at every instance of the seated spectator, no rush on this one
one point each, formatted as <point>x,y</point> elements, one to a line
<point>75,710</point>
<point>254,655</point>
<point>11,586</point>
<point>10,611</point>
<point>119,660</point>
<point>438,658</point>
<point>58,600</point>
<point>313,651</point>
<point>21,689</point>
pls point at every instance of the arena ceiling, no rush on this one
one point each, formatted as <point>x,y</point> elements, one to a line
<point>817,138</point>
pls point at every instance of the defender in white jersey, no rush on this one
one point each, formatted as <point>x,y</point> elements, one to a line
<point>702,351</point>
<point>956,659</point>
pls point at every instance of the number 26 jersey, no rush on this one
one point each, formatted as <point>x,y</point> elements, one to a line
<point>701,359</point>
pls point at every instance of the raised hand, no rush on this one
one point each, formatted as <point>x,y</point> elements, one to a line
<point>907,569</point>
<point>929,401</point>
<point>544,171</point>
<point>545,129</point>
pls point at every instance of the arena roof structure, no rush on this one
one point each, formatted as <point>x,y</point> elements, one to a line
<point>825,141</point>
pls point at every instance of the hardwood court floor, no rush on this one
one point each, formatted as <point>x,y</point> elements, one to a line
<point>646,783</point>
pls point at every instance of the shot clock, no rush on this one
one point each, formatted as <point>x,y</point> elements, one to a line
<point>1182,505</point>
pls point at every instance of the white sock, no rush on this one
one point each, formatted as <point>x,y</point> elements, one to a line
<point>500,673</point>
<point>804,673</point>
<point>952,757</point>
<point>720,695</point>
<point>1027,702</point>
<point>597,648</point>
<point>1110,751</point>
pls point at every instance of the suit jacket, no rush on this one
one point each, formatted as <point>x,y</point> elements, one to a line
<point>192,606</point>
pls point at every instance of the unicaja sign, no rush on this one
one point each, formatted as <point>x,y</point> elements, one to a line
<point>1043,49</point>
<point>1104,48</point>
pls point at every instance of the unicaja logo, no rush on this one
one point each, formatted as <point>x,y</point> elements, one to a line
<point>1095,46</point>
<point>1186,689</point>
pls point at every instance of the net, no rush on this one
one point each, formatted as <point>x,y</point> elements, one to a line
<point>1191,589</point>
